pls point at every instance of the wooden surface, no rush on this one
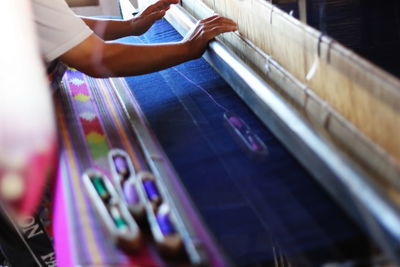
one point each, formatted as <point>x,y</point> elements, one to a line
<point>303,10</point>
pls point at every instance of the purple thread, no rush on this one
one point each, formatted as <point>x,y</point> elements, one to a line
<point>165,224</point>
<point>255,145</point>
<point>234,120</point>
<point>121,166</point>
<point>130,193</point>
<point>151,190</point>
<point>202,89</point>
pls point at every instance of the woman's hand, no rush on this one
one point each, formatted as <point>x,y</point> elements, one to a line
<point>145,19</point>
<point>205,30</point>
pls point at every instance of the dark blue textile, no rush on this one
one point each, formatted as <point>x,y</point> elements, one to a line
<point>254,206</point>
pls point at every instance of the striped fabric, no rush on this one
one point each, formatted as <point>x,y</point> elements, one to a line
<point>91,123</point>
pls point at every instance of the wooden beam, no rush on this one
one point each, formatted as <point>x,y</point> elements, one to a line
<point>303,10</point>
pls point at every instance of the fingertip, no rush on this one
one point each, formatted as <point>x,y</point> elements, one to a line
<point>233,28</point>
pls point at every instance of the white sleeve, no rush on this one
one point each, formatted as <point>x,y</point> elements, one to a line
<point>58,28</point>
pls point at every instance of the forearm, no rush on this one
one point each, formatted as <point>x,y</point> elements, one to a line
<point>107,59</point>
<point>98,58</point>
<point>128,60</point>
<point>108,29</point>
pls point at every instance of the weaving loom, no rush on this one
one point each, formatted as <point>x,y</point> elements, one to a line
<point>244,187</point>
<point>193,158</point>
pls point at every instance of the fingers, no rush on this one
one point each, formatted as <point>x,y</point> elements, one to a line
<point>210,18</point>
<point>160,5</point>
<point>217,20</point>
<point>208,28</point>
<point>205,30</point>
<point>211,33</point>
<point>227,24</point>
<point>156,15</point>
<point>216,25</point>
<point>217,30</point>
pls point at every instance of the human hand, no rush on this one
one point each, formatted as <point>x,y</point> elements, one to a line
<point>145,19</point>
<point>205,30</point>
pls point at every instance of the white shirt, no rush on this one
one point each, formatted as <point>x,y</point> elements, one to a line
<point>58,28</point>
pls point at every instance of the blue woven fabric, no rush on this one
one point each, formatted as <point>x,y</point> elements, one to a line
<point>253,206</point>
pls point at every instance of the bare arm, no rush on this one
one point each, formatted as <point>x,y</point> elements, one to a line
<point>109,29</point>
<point>102,59</point>
<point>98,58</point>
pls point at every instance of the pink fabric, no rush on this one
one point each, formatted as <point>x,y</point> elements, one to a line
<point>40,164</point>
<point>60,227</point>
<point>39,168</point>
